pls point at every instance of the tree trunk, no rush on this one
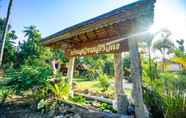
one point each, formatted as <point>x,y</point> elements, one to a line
<point>121,98</point>
<point>70,73</point>
<point>5,30</point>
<point>136,74</point>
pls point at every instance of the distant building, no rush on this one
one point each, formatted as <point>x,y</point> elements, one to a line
<point>171,66</point>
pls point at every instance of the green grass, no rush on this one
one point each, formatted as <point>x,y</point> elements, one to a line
<point>84,84</point>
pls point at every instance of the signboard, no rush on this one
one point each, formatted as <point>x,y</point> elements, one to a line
<point>99,49</point>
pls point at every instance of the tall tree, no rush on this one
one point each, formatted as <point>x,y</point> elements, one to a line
<point>30,48</point>
<point>9,57</point>
<point>181,45</point>
<point>164,45</point>
<point>5,30</point>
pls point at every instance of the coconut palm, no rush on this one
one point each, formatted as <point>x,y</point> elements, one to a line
<point>31,32</point>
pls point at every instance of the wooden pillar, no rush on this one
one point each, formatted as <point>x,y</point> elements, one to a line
<point>70,72</point>
<point>136,74</point>
<point>121,98</point>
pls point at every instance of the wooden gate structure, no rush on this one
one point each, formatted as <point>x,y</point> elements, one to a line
<point>114,32</point>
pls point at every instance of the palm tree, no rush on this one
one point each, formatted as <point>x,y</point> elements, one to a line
<point>5,30</point>
<point>164,45</point>
<point>30,48</point>
<point>31,32</point>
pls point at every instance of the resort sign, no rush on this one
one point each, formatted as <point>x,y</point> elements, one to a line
<point>98,49</point>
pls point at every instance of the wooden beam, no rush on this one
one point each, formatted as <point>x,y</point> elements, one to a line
<point>115,29</point>
<point>121,98</point>
<point>87,36</point>
<point>95,34</point>
<point>76,38</point>
<point>136,74</point>
<point>70,73</point>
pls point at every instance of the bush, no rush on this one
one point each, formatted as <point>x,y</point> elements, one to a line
<point>165,97</point>
<point>79,99</point>
<point>60,90</point>
<point>5,93</point>
<point>29,76</point>
<point>107,107</point>
<point>104,82</point>
<point>154,102</point>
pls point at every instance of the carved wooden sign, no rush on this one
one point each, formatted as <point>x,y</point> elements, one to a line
<point>98,49</point>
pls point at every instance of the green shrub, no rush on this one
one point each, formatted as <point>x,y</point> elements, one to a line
<point>78,99</point>
<point>5,93</point>
<point>107,107</point>
<point>165,97</point>
<point>154,102</point>
<point>60,90</point>
<point>29,76</point>
<point>104,82</point>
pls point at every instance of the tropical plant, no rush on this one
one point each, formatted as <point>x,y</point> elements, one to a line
<point>30,49</point>
<point>181,45</point>
<point>9,57</point>
<point>60,90</point>
<point>30,76</point>
<point>4,94</point>
<point>107,107</point>
<point>9,48</point>
<point>151,72</point>
<point>164,45</point>
<point>104,82</point>
<point>165,96</point>
<point>95,65</point>
<point>79,99</point>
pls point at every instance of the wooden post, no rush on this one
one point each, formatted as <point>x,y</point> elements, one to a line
<point>136,74</point>
<point>70,73</point>
<point>121,98</point>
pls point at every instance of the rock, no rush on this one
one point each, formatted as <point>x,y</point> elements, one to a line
<point>76,116</point>
<point>51,113</point>
<point>60,116</point>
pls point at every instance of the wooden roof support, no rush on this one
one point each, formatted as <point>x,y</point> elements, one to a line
<point>121,98</point>
<point>70,73</point>
<point>87,36</point>
<point>137,78</point>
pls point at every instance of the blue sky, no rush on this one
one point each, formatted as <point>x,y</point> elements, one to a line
<point>51,16</point>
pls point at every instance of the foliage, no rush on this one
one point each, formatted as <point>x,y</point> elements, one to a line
<point>5,93</point>
<point>78,99</point>
<point>164,45</point>
<point>96,64</point>
<point>104,82</point>
<point>30,76</point>
<point>180,55</point>
<point>107,107</point>
<point>9,57</point>
<point>154,102</point>
<point>30,49</point>
<point>45,105</point>
<point>126,61</point>
<point>180,45</point>
<point>166,95</point>
<point>60,90</point>
<point>150,71</point>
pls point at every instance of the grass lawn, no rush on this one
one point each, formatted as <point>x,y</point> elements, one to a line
<point>93,87</point>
